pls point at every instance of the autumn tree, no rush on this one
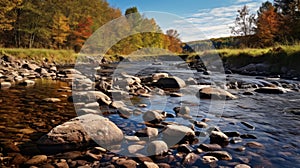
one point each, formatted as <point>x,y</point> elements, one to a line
<point>244,24</point>
<point>174,41</point>
<point>268,25</point>
<point>289,11</point>
<point>82,31</point>
<point>60,30</point>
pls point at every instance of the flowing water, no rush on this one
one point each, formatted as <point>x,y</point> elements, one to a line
<point>25,117</point>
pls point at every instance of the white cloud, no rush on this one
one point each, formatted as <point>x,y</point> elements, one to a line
<point>215,22</point>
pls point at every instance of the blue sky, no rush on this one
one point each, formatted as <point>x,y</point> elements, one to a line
<point>194,19</point>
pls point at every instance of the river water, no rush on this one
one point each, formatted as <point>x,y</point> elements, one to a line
<point>25,116</point>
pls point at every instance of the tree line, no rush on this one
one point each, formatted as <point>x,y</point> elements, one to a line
<point>274,23</point>
<point>58,24</point>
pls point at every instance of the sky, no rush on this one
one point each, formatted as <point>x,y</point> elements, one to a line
<point>194,19</point>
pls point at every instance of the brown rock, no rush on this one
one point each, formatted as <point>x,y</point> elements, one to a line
<point>35,160</point>
<point>215,93</point>
<point>221,155</point>
<point>126,163</point>
<point>210,147</point>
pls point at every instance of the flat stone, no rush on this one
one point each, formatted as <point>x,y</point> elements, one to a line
<point>27,83</point>
<point>221,155</point>
<point>214,93</point>
<point>135,148</point>
<point>210,147</point>
<point>254,144</point>
<point>270,90</point>
<point>52,100</point>
<point>35,160</point>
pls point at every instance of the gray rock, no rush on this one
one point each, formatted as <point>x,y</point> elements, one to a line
<point>81,131</point>
<point>200,124</point>
<point>157,148</point>
<point>30,66</point>
<point>171,82</point>
<point>217,137</point>
<point>152,116</point>
<point>174,134</point>
<point>214,93</point>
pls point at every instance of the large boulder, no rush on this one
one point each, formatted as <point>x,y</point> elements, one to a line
<point>82,131</point>
<point>214,93</point>
<point>170,82</point>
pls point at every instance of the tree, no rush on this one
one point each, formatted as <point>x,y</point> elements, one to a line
<point>81,33</point>
<point>289,11</point>
<point>174,41</point>
<point>244,24</point>
<point>268,25</point>
<point>60,30</point>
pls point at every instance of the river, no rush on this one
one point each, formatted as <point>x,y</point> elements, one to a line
<point>25,116</point>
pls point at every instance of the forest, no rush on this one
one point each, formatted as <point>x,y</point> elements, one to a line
<point>56,24</point>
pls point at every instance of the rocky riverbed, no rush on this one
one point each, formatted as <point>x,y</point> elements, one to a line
<point>146,114</point>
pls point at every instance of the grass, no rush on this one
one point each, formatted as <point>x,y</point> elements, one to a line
<point>278,57</point>
<point>38,55</point>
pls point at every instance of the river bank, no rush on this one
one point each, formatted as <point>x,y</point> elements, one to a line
<point>140,112</point>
